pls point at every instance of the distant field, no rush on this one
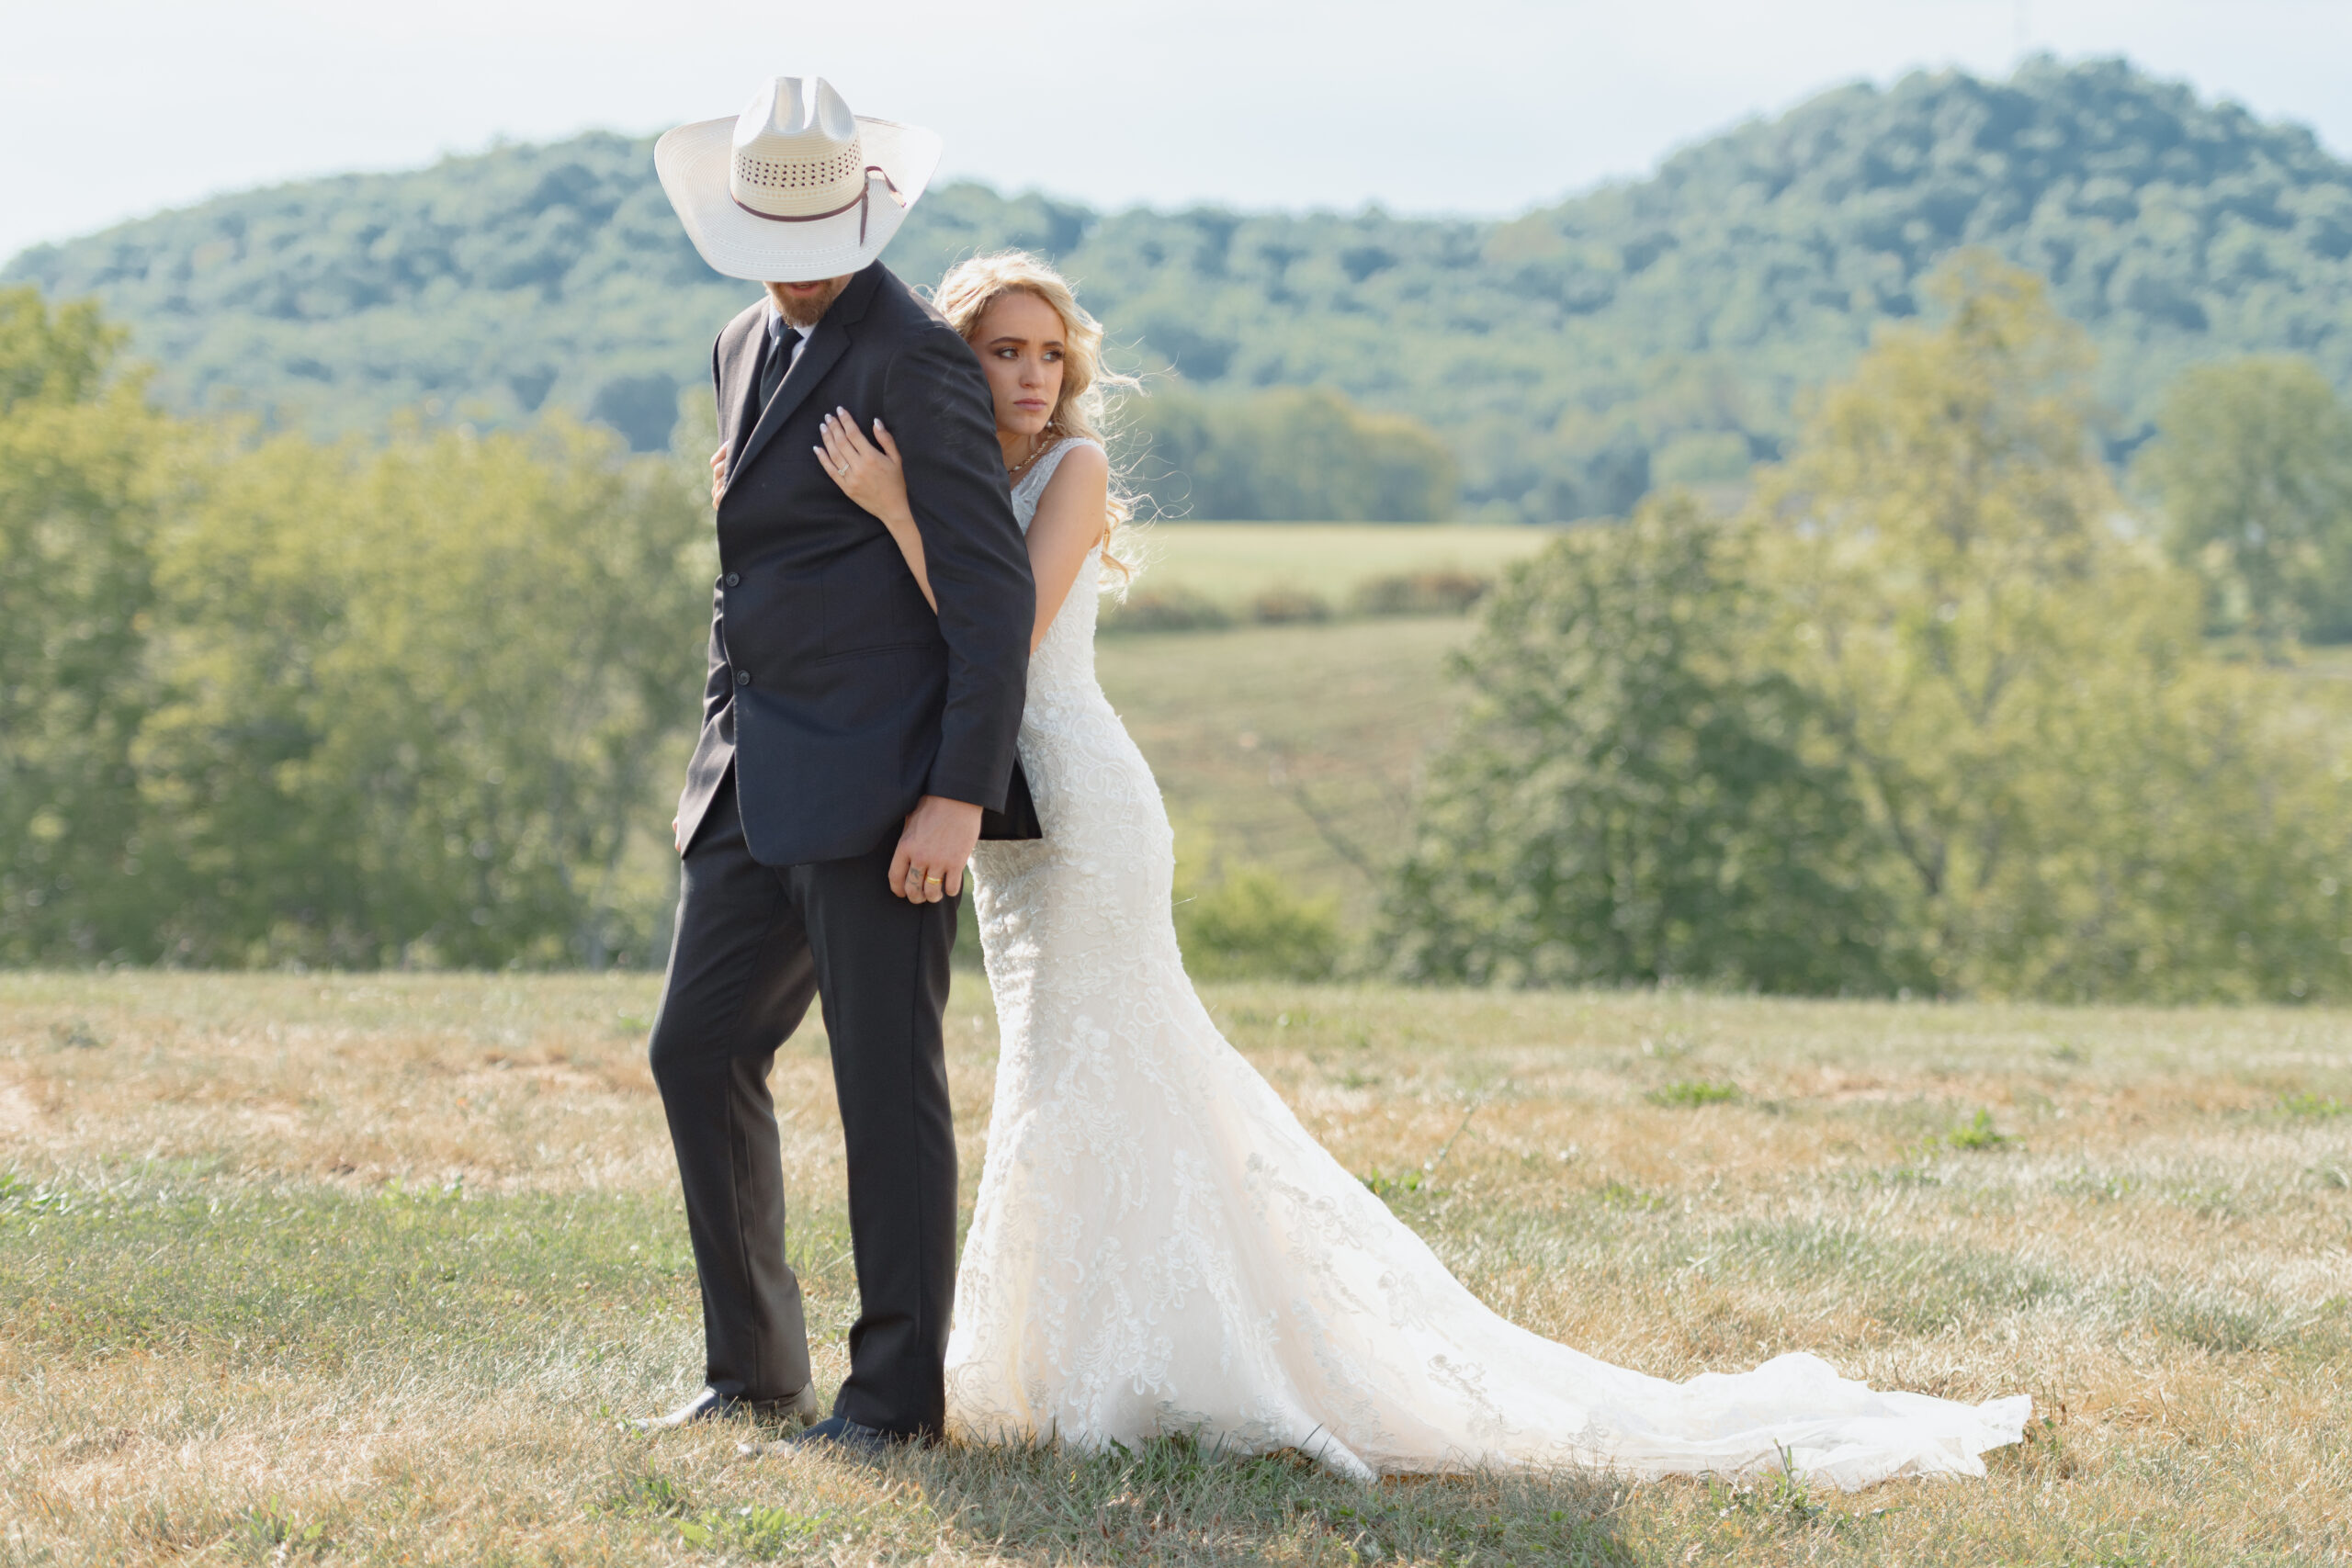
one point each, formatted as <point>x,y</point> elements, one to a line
<point>1279,744</point>
<point>1297,747</point>
<point>370,1271</point>
<point>1257,732</point>
<point>1232,563</point>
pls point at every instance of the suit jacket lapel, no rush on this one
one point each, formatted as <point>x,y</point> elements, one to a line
<point>739,375</point>
<point>826,346</point>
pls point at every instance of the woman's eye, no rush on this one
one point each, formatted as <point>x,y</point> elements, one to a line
<point>1053,355</point>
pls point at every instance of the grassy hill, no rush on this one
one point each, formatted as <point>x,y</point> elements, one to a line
<point>1296,746</point>
<point>1658,330</point>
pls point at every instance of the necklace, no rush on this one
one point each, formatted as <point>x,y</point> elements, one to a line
<point>1021,467</point>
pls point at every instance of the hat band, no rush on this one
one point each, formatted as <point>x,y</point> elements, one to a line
<point>866,190</point>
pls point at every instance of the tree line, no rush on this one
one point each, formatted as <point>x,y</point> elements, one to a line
<point>1948,705</point>
<point>266,700</point>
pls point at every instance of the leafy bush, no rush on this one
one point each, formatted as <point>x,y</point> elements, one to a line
<point>1164,610</point>
<point>1433,592</point>
<point>1249,925</point>
<point>1287,606</point>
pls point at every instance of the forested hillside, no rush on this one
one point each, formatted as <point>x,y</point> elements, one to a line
<point>1569,359</point>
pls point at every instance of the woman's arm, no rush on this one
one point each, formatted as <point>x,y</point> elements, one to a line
<point>1069,523</point>
<point>872,476</point>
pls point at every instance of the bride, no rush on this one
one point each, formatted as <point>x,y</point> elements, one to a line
<point>1160,1246</point>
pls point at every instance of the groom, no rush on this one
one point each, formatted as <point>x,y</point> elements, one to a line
<point>851,742</point>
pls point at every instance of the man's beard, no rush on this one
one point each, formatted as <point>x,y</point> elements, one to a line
<point>808,309</point>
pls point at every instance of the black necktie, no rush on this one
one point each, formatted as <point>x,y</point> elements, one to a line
<point>771,374</point>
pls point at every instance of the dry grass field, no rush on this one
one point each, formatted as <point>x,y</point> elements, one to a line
<point>370,1269</point>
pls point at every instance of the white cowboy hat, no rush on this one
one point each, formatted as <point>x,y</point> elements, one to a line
<point>796,188</point>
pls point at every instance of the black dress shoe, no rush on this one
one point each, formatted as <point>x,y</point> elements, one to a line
<point>795,1410</point>
<point>836,1437</point>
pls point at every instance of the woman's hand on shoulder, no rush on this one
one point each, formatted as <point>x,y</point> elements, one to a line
<point>869,472</point>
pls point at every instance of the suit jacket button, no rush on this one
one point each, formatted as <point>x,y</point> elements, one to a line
<point>742,677</point>
<point>733,578</point>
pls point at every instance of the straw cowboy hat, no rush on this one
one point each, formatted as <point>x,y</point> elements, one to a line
<point>795,187</point>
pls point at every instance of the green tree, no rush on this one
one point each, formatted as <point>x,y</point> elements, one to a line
<point>81,464</point>
<point>1927,713</point>
<point>422,699</point>
<point>2253,466</point>
<point>1632,796</point>
<point>2084,804</point>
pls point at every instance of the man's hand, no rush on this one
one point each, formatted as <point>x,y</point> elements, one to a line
<point>937,840</point>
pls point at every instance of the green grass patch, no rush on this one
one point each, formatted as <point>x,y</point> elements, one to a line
<point>1690,1093</point>
<point>311,1277</point>
<point>1386,1186</point>
<point>1978,1135</point>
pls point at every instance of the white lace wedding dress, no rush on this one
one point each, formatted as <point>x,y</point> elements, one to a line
<point>1159,1245</point>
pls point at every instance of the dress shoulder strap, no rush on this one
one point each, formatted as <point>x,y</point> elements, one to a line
<point>1041,473</point>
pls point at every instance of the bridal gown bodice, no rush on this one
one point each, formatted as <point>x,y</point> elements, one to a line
<point>1160,1246</point>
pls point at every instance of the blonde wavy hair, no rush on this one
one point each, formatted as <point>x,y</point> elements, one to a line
<point>1086,409</point>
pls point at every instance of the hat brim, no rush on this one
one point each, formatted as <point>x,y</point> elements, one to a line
<point>693,163</point>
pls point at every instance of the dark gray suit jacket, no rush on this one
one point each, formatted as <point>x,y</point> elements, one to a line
<point>836,694</point>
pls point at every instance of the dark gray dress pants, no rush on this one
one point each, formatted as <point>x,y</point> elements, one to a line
<point>755,943</point>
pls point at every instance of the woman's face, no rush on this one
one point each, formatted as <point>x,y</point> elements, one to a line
<point>1019,340</point>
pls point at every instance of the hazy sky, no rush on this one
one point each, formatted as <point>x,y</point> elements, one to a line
<point>111,109</point>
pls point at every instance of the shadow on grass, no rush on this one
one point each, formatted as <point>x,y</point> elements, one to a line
<point>1171,1501</point>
